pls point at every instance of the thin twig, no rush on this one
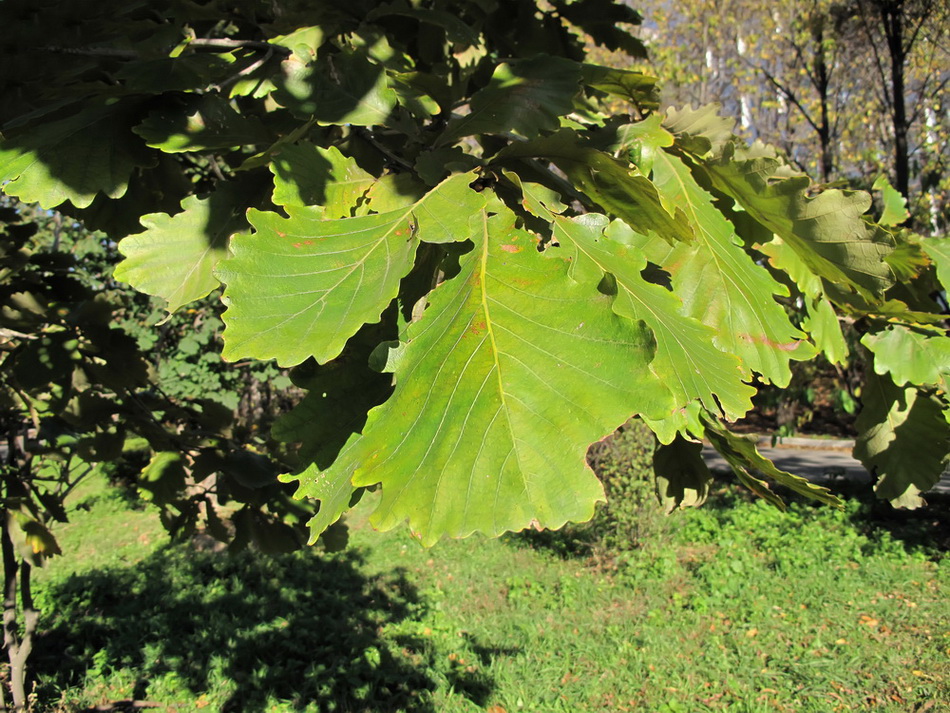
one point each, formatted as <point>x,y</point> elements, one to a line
<point>93,52</point>
<point>368,137</point>
<point>254,66</point>
<point>239,44</point>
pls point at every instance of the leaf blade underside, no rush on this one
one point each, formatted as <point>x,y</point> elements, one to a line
<point>513,370</point>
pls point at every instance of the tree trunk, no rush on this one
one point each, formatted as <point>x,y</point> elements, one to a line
<point>892,21</point>
<point>822,81</point>
<point>16,649</point>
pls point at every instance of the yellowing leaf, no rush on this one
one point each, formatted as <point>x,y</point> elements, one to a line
<point>720,284</point>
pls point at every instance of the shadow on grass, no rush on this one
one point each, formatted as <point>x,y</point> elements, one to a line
<point>303,629</point>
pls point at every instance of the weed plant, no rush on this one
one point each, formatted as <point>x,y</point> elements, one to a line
<point>624,463</point>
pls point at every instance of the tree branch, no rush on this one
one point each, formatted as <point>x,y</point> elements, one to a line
<point>790,95</point>
<point>199,43</point>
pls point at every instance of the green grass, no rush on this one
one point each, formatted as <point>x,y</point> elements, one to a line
<point>732,607</point>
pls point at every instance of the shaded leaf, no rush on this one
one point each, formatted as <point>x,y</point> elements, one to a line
<point>827,231</point>
<point>175,257</point>
<point>616,186</point>
<point>700,131</point>
<point>163,479</point>
<point>308,175</point>
<point>600,19</point>
<point>343,88</point>
<point>636,87</point>
<point>682,477</point>
<point>339,395</point>
<point>747,463</point>
<point>524,96</point>
<point>73,159</point>
<point>904,439</point>
<point>200,124</point>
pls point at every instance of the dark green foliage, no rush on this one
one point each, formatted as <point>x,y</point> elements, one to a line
<point>624,464</point>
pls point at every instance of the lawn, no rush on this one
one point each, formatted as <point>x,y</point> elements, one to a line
<point>731,607</point>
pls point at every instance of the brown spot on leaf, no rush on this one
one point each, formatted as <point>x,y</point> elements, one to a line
<point>762,339</point>
<point>511,248</point>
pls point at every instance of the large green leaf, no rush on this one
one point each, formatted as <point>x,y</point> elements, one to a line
<point>911,356</point>
<point>686,360</point>
<point>509,375</point>
<point>720,284</point>
<point>904,440</point>
<point>525,96</point>
<point>827,230</point>
<point>175,256</point>
<point>301,286</point>
<point>73,159</point>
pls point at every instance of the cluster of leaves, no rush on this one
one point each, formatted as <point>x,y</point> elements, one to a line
<point>77,391</point>
<point>475,269</point>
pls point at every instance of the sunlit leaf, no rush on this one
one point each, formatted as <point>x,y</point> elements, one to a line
<point>910,355</point>
<point>301,286</point>
<point>511,372</point>
<point>895,205</point>
<point>721,286</point>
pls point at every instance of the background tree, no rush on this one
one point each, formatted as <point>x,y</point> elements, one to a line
<point>473,266</point>
<point>817,78</point>
<point>78,397</point>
